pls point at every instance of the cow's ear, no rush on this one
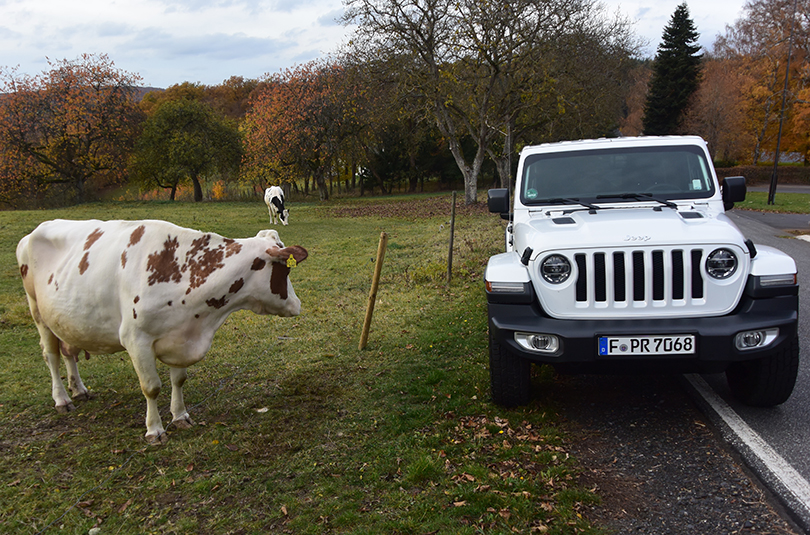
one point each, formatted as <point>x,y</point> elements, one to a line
<point>269,234</point>
<point>298,253</point>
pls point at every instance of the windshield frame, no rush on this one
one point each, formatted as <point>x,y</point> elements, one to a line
<point>657,179</point>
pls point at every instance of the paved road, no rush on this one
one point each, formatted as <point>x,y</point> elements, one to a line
<point>785,430</point>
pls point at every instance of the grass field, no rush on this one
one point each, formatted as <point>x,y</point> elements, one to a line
<point>298,430</point>
<point>786,203</point>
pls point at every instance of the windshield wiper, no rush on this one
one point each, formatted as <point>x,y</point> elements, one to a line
<point>566,200</point>
<point>639,197</point>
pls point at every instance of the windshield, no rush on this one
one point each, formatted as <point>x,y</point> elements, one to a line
<point>673,172</point>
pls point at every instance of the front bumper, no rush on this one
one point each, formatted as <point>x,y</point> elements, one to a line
<point>714,336</point>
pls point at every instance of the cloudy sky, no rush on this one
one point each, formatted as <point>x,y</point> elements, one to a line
<point>171,41</point>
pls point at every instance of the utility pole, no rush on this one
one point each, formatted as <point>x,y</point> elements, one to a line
<point>772,189</point>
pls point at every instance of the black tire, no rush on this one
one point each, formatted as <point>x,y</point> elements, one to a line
<point>767,381</point>
<point>510,376</point>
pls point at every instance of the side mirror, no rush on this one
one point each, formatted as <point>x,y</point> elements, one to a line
<point>733,191</point>
<point>498,201</point>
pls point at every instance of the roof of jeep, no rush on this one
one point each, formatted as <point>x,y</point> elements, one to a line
<point>603,143</point>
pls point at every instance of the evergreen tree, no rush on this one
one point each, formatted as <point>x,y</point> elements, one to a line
<point>676,75</point>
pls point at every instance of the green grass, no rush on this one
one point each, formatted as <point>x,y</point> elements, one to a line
<point>298,430</point>
<point>786,203</point>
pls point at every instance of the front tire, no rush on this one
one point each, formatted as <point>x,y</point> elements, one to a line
<point>767,381</point>
<point>509,376</point>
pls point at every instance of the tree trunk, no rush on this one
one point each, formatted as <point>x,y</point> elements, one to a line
<point>198,196</point>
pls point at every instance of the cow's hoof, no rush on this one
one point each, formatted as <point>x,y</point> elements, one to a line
<point>85,396</point>
<point>157,440</point>
<point>64,409</point>
<point>184,423</point>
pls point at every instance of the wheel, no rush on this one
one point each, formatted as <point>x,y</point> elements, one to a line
<point>767,381</point>
<point>509,376</point>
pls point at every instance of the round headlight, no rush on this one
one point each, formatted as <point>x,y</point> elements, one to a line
<point>555,269</point>
<point>721,263</point>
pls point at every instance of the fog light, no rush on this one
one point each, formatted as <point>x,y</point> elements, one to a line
<point>754,339</point>
<point>541,343</point>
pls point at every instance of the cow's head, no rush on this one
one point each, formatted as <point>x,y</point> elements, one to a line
<point>282,301</point>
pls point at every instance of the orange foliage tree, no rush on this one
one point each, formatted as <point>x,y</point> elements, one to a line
<point>72,126</point>
<point>294,127</point>
<point>758,44</point>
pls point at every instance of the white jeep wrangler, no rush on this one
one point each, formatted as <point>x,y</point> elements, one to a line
<point>619,257</point>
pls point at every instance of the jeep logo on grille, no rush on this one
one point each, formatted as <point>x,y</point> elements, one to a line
<point>636,238</point>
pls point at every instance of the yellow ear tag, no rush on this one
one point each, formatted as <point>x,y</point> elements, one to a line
<point>291,263</point>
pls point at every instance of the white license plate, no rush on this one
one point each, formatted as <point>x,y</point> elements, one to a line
<point>652,344</point>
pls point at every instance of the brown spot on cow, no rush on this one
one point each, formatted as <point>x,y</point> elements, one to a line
<point>137,298</point>
<point>278,279</point>
<point>134,314</point>
<point>169,303</point>
<point>231,247</point>
<point>123,260</point>
<point>202,260</point>
<point>92,238</point>
<point>50,279</point>
<point>84,264</point>
<point>217,303</point>
<point>136,235</point>
<point>163,264</point>
<point>24,271</point>
<point>236,286</point>
<point>258,264</point>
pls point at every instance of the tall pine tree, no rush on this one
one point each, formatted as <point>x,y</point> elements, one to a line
<point>676,75</point>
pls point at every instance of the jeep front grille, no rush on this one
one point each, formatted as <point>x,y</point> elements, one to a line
<point>633,276</point>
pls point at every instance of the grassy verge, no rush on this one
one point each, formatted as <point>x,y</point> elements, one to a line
<point>785,203</point>
<point>298,430</point>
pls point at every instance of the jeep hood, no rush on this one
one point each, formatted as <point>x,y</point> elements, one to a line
<point>621,227</point>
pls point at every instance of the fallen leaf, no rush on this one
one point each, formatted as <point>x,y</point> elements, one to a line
<point>284,510</point>
<point>124,507</point>
<point>263,409</point>
<point>190,467</point>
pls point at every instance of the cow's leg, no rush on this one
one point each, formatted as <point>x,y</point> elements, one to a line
<point>50,351</point>
<point>180,416</point>
<point>75,383</point>
<point>143,360</point>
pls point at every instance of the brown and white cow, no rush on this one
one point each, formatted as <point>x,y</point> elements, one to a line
<point>151,288</point>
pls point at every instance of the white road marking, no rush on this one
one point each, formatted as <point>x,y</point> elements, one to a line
<point>795,484</point>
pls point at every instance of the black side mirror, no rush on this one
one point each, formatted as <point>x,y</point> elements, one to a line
<point>498,201</point>
<point>733,191</point>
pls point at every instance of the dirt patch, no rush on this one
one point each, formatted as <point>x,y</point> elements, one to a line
<point>416,208</point>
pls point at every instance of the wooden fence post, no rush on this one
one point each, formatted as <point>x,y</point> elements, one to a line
<point>372,296</point>
<point>452,233</point>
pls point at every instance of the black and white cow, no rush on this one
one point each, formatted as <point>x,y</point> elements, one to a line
<point>274,198</point>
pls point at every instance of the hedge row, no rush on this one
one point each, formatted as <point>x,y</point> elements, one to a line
<point>761,174</point>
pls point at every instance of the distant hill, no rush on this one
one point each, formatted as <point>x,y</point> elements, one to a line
<point>142,91</point>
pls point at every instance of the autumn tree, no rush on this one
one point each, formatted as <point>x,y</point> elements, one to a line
<point>474,65</point>
<point>757,45</point>
<point>71,125</point>
<point>295,125</point>
<point>676,75</point>
<point>185,139</point>
<point>717,111</point>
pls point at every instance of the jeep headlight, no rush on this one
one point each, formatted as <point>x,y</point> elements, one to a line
<point>555,269</point>
<point>721,263</point>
